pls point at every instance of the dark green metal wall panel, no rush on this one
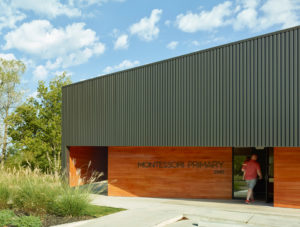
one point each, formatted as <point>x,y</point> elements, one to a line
<point>241,94</point>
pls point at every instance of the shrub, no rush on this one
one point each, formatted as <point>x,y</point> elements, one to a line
<point>74,202</point>
<point>27,221</point>
<point>34,198</point>
<point>4,196</point>
<point>38,193</point>
<point>6,216</point>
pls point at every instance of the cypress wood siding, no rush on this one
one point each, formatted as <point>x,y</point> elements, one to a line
<point>287,177</point>
<point>125,178</point>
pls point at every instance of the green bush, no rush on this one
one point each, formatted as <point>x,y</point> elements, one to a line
<point>6,216</point>
<point>38,193</point>
<point>4,196</point>
<point>73,202</point>
<point>34,198</point>
<point>27,221</point>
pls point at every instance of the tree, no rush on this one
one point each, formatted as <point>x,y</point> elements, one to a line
<point>35,128</point>
<point>10,72</point>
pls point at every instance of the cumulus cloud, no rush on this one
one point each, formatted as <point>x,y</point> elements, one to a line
<point>146,29</point>
<point>74,44</point>
<point>255,15</point>
<point>205,20</point>
<point>40,73</point>
<point>172,45</point>
<point>54,65</point>
<point>121,42</point>
<point>14,11</point>
<point>91,2</point>
<point>279,12</point>
<point>50,8</point>
<point>247,17</point>
<point>9,16</point>
<point>7,56</point>
<point>123,65</point>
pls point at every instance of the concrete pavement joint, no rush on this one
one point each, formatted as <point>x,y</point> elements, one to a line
<point>169,221</point>
<point>249,219</point>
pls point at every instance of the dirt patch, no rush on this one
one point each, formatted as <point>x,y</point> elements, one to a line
<point>50,220</point>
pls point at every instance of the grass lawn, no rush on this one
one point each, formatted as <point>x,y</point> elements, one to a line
<point>98,211</point>
<point>92,211</point>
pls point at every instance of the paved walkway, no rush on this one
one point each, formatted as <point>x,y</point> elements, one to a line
<point>153,212</point>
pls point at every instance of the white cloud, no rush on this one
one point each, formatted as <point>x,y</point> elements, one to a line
<point>247,16</point>
<point>168,23</point>
<point>123,65</point>
<point>67,73</point>
<point>28,62</point>
<point>50,8</point>
<point>40,73</point>
<point>9,16</point>
<point>33,95</point>
<point>280,12</point>
<point>8,56</point>
<point>121,42</point>
<point>172,45</point>
<point>12,11</point>
<point>196,43</point>
<point>91,2</point>
<point>257,15</point>
<point>74,44</point>
<point>54,65</point>
<point>205,20</point>
<point>146,29</point>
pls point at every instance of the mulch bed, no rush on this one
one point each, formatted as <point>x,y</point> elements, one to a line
<point>50,220</point>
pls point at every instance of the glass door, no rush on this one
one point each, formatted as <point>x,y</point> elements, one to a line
<point>263,190</point>
<point>239,186</point>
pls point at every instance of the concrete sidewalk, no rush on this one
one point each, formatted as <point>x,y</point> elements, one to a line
<point>153,212</point>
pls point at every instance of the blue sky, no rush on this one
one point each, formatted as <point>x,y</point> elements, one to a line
<point>88,38</point>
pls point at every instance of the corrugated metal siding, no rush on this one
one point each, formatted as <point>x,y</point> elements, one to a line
<point>242,94</point>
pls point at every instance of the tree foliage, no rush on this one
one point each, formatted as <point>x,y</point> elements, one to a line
<point>10,72</point>
<point>35,128</point>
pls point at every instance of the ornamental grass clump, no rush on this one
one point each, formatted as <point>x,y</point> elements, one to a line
<point>4,196</point>
<point>34,192</point>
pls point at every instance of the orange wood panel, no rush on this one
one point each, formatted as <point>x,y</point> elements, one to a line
<point>287,177</point>
<point>170,172</point>
<point>84,161</point>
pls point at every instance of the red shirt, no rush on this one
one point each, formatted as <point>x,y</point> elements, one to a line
<point>244,165</point>
<point>251,170</point>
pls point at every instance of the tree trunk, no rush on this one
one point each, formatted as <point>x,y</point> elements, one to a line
<point>4,147</point>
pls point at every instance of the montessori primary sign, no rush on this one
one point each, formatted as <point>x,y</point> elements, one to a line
<point>181,164</point>
<point>217,166</point>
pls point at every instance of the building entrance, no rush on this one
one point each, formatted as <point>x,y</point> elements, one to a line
<point>264,188</point>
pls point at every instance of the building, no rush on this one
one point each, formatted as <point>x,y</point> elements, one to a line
<point>182,127</point>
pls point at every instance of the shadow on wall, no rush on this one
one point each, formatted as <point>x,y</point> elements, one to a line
<point>99,188</point>
<point>87,164</point>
